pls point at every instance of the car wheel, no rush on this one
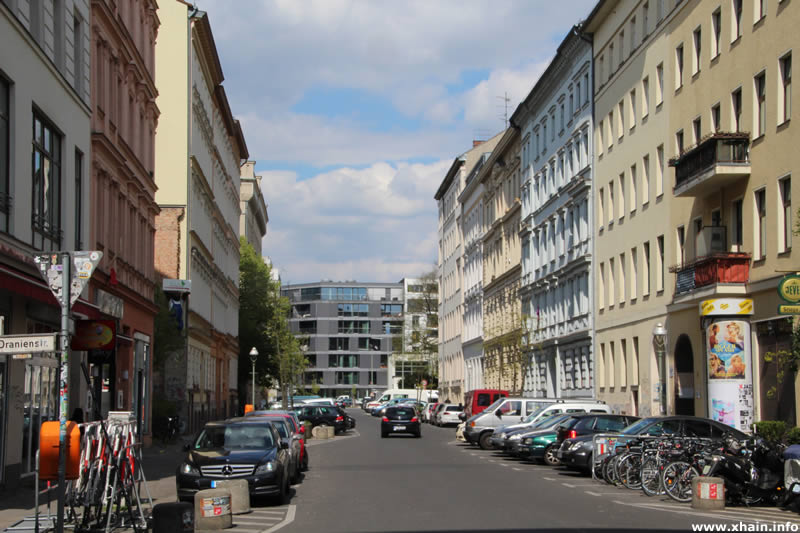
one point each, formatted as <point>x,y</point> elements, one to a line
<point>283,496</point>
<point>297,475</point>
<point>483,441</point>
<point>383,434</point>
<point>550,458</point>
<point>418,434</point>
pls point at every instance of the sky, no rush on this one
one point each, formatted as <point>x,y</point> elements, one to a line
<point>354,110</point>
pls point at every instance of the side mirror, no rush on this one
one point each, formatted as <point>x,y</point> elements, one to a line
<point>302,430</point>
<point>498,413</point>
<point>284,445</point>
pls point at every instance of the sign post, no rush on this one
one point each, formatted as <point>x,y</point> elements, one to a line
<point>66,273</point>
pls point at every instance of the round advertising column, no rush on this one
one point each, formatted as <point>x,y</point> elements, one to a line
<point>729,360</point>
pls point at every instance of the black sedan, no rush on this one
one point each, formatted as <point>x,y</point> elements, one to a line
<point>239,448</point>
<point>400,419</point>
<point>322,415</point>
<point>577,453</point>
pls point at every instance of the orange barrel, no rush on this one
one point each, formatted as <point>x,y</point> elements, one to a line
<point>48,450</point>
<point>248,407</point>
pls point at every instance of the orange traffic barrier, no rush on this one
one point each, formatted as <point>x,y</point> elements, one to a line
<point>48,450</point>
<point>248,407</point>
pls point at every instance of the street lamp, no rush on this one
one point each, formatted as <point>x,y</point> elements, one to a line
<point>253,357</point>
<point>660,341</point>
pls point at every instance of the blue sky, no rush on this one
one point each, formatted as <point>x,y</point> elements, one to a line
<point>354,111</point>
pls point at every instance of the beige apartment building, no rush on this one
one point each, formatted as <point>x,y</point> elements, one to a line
<point>732,214</point>
<point>502,309</point>
<point>633,199</point>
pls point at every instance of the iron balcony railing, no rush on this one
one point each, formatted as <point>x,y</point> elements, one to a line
<point>722,267</point>
<point>718,148</point>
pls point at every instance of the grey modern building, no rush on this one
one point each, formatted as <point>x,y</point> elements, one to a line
<point>352,330</point>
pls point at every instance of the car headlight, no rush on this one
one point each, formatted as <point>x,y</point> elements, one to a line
<point>529,440</point>
<point>266,468</point>
<point>515,437</point>
<point>575,446</point>
<point>189,468</point>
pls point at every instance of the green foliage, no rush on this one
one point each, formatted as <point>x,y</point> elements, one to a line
<point>315,387</point>
<point>787,362</point>
<point>793,436</point>
<point>167,339</point>
<point>771,430</point>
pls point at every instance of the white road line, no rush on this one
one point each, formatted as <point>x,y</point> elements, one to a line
<point>570,485</point>
<point>724,515</point>
<point>519,470</point>
<point>267,511</point>
<point>503,464</point>
<point>549,478</point>
<point>258,519</point>
<point>592,493</point>
<point>285,522</point>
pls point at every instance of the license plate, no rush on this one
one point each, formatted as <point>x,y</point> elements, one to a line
<point>213,484</point>
<point>706,469</point>
<point>399,428</point>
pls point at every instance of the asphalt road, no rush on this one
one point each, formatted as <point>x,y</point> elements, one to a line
<point>362,483</point>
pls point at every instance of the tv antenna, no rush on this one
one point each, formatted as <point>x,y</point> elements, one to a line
<point>504,117</point>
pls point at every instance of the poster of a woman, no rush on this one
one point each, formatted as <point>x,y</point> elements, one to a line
<point>726,357</point>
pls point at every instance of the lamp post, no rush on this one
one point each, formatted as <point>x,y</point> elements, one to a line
<point>253,357</point>
<point>660,341</point>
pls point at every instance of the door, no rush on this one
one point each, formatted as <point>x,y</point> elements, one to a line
<point>684,376</point>
<point>2,414</point>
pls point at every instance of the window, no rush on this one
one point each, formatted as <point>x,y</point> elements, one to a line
<point>696,130</point>
<point>698,41</point>
<point>553,127</point>
<point>621,47</point>
<point>786,88</point>
<point>600,207</point>
<point>600,138</point>
<point>610,60</point>
<point>716,27</point>
<point>632,109</point>
<point>78,199</point>
<point>632,31</point>
<point>612,292</point>
<point>610,128</point>
<point>679,142</point>
<point>46,217</point>
<point>586,87</point>
<point>659,170</point>
<point>681,241</point>
<point>760,82</point>
<point>578,96</point>
<point>632,194</point>
<point>623,364</point>
<point>610,203</point>
<point>621,203</point>
<point>736,108</point>
<point>715,118</point>
<point>645,96</point>
<point>601,70</point>
<point>761,223</point>
<point>601,367</point>
<point>621,123</point>
<point>571,104</point>
<point>736,223</point>
<point>737,19</point>
<point>679,67</point>
<point>611,356</point>
<point>659,84</point>
<point>761,9</point>
<point>645,180</point>
<point>660,264</point>
<point>634,274</point>
<point>659,11</point>
<point>622,278</point>
<point>336,343</point>
<point>77,55</point>
<point>601,297</point>
<point>562,117</point>
<point>785,188</point>
<point>5,131</point>
<point>645,9</point>
<point>646,269</point>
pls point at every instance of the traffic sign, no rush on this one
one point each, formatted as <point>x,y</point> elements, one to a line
<point>51,266</point>
<point>45,342</point>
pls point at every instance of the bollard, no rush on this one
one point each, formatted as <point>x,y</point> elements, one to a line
<point>212,509</point>
<point>308,427</point>
<point>240,494</point>
<point>331,431</point>
<point>173,517</point>
<point>319,432</point>
<point>708,493</point>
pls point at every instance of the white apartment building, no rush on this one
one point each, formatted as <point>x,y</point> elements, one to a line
<point>555,121</point>
<point>254,218</point>
<point>45,123</point>
<point>450,271</point>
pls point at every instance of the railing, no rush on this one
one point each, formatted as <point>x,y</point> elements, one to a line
<point>718,148</point>
<point>727,267</point>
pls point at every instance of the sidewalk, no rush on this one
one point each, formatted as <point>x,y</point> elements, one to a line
<point>159,463</point>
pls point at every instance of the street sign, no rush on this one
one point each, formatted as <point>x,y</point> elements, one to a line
<point>51,266</point>
<point>45,342</point>
<point>424,382</point>
<point>789,309</point>
<point>177,285</point>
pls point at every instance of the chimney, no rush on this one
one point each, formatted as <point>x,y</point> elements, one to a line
<point>477,143</point>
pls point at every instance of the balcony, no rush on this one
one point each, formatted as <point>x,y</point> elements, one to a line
<point>717,268</point>
<point>714,163</point>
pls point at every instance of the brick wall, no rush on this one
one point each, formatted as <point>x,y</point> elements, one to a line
<point>168,241</point>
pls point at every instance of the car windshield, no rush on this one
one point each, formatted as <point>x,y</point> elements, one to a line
<point>453,408</point>
<point>235,437</point>
<point>496,404</point>
<point>540,408</point>
<point>549,421</point>
<point>638,426</point>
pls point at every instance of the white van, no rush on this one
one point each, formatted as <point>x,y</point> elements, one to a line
<point>390,394</point>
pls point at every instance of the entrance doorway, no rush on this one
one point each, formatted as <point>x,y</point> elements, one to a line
<point>684,376</point>
<point>2,413</point>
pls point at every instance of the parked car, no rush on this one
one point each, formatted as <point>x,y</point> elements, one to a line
<point>449,415</point>
<point>577,453</point>
<point>435,415</point>
<point>477,400</point>
<point>322,415</point>
<point>298,428</point>
<point>427,413</point>
<point>400,419</point>
<point>248,448</point>
<point>349,421</point>
<point>504,437</point>
<point>286,432</point>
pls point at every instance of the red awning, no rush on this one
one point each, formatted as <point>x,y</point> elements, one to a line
<point>30,287</point>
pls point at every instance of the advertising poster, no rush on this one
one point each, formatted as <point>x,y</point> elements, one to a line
<point>730,373</point>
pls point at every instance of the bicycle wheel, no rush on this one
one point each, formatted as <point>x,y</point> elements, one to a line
<point>610,471</point>
<point>650,477</point>
<point>629,470</point>
<point>677,480</point>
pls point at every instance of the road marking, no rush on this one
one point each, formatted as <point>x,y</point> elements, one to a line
<point>267,511</point>
<point>519,470</point>
<point>285,522</point>
<point>727,514</point>
<point>503,464</point>
<point>570,485</point>
<point>549,478</point>
<point>592,493</point>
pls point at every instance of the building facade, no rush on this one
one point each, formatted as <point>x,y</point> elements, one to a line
<point>254,218</point>
<point>502,312</point>
<point>122,223</point>
<point>199,150</point>
<point>732,219</point>
<point>45,121</point>
<point>555,121</point>
<point>351,329</point>
<point>632,201</point>
<point>450,271</point>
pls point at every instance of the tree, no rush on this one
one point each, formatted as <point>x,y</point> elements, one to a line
<point>420,338</point>
<point>167,338</point>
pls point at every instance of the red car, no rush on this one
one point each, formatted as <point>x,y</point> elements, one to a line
<point>477,400</point>
<point>299,431</point>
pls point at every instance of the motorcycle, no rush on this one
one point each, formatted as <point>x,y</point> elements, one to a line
<point>791,476</point>
<point>753,471</point>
